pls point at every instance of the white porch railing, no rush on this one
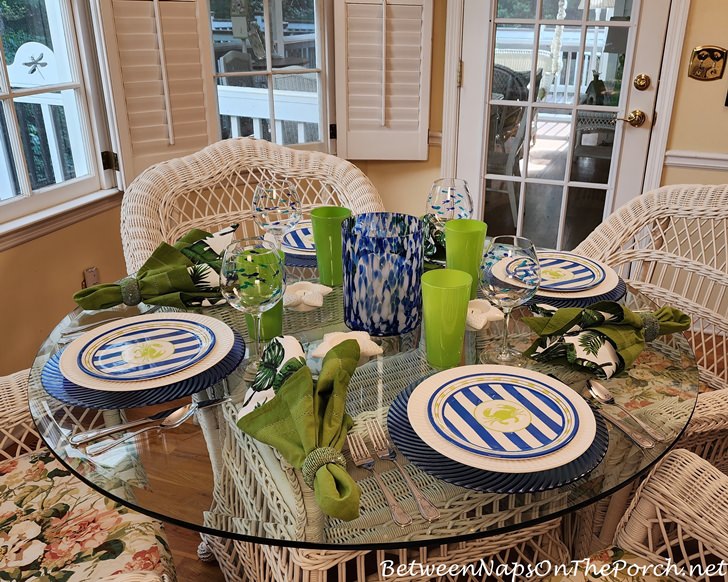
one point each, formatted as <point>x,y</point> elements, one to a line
<point>240,103</point>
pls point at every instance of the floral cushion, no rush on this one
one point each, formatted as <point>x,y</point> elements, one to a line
<point>610,565</point>
<point>55,528</point>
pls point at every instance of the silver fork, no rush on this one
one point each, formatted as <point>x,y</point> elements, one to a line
<point>385,450</point>
<point>362,458</point>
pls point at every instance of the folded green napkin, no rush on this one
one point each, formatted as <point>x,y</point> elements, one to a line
<point>604,338</point>
<point>307,424</point>
<point>181,275</point>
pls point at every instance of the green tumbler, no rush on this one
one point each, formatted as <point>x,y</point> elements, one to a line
<point>464,240</point>
<point>445,296</point>
<point>326,223</point>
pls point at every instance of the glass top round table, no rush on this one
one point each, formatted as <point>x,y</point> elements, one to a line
<point>207,475</point>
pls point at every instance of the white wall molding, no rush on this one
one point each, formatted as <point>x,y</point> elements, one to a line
<point>669,75</point>
<point>694,159</point>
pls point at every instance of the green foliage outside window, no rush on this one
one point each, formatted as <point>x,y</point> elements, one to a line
<point>22,21</point>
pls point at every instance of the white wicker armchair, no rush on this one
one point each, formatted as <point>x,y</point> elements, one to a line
<point>672,245</point>
<point>214,187</point>
<point>678,518</point>
<point>680,513</point>
<point>69,531</point>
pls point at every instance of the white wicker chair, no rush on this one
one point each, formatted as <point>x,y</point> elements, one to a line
<point>144,554</point>
<point>214,187</point>
<point>678,517</point>
<point>680,512</point>
<point>672,245</point>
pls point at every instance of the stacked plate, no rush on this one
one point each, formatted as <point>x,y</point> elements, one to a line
<point>498,428</point>
<point>143,360</point>
<point>569,280</point>
<point>299,246</point>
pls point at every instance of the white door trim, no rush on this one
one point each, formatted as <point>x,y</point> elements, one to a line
<point>451,89</point>
<point>669,75</point>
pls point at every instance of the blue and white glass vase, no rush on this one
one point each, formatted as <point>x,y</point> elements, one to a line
<point>382,253</point>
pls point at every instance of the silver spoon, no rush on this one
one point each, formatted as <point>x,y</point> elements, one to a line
<point>603,395</point>
<point>174,420</point>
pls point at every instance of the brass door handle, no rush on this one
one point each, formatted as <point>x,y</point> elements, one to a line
<point>636,118</point>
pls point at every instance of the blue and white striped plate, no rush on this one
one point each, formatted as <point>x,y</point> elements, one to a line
<point>299,240</point>
<point>57,385</point>
<point>501,418</point>
<point>502,415</point>
<point>431,461</point>
<point>146,349</point>
<point>567,272</point>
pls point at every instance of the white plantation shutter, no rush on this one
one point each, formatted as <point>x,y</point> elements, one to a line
<point>160,89</point>
<point>383,52</point>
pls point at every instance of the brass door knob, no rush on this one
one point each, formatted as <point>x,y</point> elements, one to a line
<point>635,118</point>
<point>642,82</point>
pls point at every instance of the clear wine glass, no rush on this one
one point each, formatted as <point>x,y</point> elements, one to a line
<point>277,207</point>
<point>252,280</point>
<point>509,276</point>
<point>449,199</point>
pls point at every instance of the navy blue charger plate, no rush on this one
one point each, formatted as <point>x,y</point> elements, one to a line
<point>58,386</point>
<point>300,260</point>
<point>614,295</point>
<point>426,458</point>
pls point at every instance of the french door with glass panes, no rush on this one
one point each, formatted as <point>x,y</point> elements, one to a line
<point>547,87</point>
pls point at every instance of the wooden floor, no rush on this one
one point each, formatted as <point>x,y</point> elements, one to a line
<point>189,484</point>
<point>183,543</point>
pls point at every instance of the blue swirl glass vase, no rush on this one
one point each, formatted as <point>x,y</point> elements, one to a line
<point>382,253</point>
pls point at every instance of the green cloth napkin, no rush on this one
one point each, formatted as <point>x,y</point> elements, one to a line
<point>605,338</point>
<point>181,275</point>
<point>307,424</point>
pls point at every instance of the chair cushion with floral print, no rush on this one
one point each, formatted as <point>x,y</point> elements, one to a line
<point>55,528</point>
<point>611,565</point>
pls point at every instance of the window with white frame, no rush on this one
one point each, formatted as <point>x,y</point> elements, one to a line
<point>45,145</point>
<point>268,57</point>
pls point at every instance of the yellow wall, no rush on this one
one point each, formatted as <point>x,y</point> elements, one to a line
<point>699,116</point>
<point>404,186</point>
<point>40,277</point>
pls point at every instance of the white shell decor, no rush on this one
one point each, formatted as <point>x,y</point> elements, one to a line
<point>305,296</point>
<point>367,347</point>
<point>480,313</point>
<point>291,349</point>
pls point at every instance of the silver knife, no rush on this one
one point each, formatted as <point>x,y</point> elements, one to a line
<point>91,435</point>
<point>640,439</point>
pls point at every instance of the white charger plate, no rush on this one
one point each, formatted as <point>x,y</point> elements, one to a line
<point>520,437</point>
<point>210,338</point>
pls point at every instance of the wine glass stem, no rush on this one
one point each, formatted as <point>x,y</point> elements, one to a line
<point>507,318</point>
<point>257,325</point>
